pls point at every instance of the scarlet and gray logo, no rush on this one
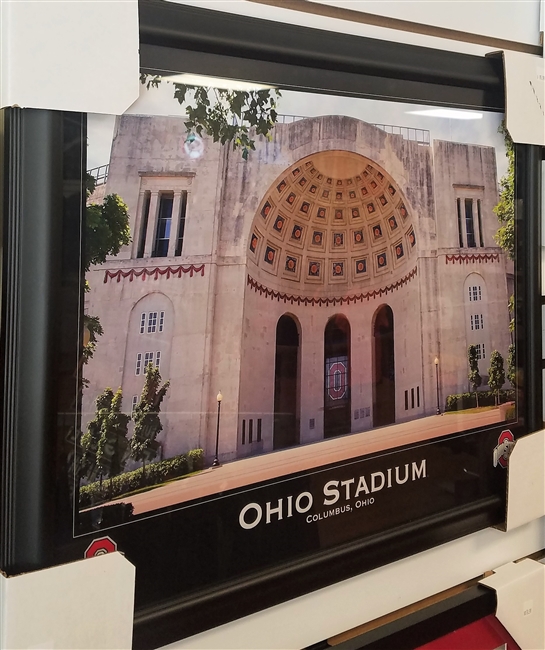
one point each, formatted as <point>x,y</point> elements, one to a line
<point>506,442</point>
<point>100,546</point>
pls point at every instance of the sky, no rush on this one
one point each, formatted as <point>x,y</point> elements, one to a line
<point>160,101</point>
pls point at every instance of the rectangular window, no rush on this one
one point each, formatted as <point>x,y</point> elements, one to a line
<point>418,396</point>
<point>144,225</point>
<point>460,231</point>
<point>181,225</point>
<point>148,358</point>
<point>164,224</point>
<point>152,322</point>
<point>143,323</point>
<point>480,221</point>
<point>134,403</point>
<point>475,293</point>
<point>138,363</point>
<point>311,423</point>
<point>412,398</point>
<point>480,351</point>
<point>471,321</point>
<point>161,321</point>
<point>250,430</point>
<point>243,432</point>
<point>406,400</point>
<point>470,226</point>
<point>258,429</point>
<point>158,359</point>
<point>477,322</point>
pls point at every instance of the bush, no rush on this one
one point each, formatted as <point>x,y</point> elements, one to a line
<point>463,401</point>
<point>155,474</point>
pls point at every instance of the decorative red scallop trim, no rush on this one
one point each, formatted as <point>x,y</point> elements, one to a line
<point>473,257</point>
<point>169,271</point>
<point>325,302</point>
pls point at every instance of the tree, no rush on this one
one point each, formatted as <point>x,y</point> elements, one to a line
<point>511,366</point>
<point>88,466</point>
<point>225,115</point>
<point>106,231</point>
<point>147,424</point>
<point>113,445</point>
<point>505,209</point>
<point>474,377</point>
<point>496,374</point>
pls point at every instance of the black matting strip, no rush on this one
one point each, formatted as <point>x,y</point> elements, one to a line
<point>176,26</point>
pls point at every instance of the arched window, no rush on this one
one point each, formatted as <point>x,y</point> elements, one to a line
<point>337,377</point>
<point>286,384</point>
<point>384,410</point>
<point>476,317</point>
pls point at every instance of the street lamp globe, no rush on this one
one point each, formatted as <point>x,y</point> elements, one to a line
<point>219,396</point>
<point>436,361</point>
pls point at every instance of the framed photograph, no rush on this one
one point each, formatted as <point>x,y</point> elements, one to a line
<point>270,328</point>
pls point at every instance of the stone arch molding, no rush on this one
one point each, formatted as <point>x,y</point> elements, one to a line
<point>332,222</point>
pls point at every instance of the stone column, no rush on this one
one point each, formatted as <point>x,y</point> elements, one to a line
<point>175,223</point>
<point>138,222</point>
<point>152,224</point>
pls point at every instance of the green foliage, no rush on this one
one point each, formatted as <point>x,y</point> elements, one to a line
<point>156,473</point>
<point>147,424</point>
<point>474,377</point>
<point>107,229</point>
<point>112,448</point>
<point>511,307</point>
<point>225,115</point>
<point>87,464</point>
<point>505,209</point>
<point>496,373</point>
<point>511,366</point>
<point>92,323</point>
<point>463,401</point>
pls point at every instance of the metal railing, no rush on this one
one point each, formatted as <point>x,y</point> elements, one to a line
<point>422,136</point>
<point>100,174</point>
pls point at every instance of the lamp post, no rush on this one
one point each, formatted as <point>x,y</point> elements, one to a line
<point>436,362</point>
<point>216,462</point>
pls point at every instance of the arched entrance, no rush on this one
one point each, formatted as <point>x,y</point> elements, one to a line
<point>337,377</point>
<point>384,411</point>
<point>286,384</point>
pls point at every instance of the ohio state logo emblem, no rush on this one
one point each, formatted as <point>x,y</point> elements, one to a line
<point>506,442</point>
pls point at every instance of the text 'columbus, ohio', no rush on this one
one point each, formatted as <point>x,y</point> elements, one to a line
<point>353,488</point>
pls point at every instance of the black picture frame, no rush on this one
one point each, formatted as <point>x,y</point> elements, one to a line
<point>43,202</point>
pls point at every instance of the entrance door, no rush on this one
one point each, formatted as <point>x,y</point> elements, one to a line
<point>337,377</point>
<point>286,384</point>
<point>384,409</point>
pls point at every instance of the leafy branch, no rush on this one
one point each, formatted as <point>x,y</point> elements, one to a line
<point>225,115</point>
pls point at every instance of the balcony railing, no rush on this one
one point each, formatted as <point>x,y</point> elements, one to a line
<point>100,174</point>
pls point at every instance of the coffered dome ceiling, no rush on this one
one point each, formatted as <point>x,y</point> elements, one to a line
<point>332,221</point>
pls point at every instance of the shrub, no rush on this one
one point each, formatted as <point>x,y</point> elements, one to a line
<point>463,401</point>
<point>156,473</point>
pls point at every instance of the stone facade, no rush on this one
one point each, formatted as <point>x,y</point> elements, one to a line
<point>333,223</point>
